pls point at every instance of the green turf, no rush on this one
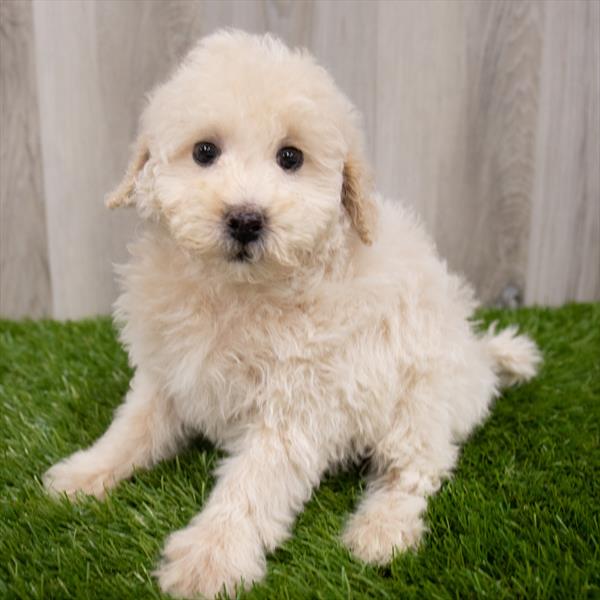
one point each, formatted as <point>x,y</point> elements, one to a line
<point>520,519</point>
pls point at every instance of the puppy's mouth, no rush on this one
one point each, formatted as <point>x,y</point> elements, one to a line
<point>244,253</point>
<point>242,256</point>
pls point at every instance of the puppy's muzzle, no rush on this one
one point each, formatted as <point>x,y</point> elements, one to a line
<point>245,225</point>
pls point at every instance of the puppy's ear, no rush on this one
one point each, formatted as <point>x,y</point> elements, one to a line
<point>357,198</point>
<point>124,193</point>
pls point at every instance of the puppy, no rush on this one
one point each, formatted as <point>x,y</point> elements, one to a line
<point>276,304</point>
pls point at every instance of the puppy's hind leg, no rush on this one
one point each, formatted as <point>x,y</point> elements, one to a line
<point>144,431</point>
<point>410,465</point>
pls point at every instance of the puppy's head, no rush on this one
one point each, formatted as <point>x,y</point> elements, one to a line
<point>251,158</point>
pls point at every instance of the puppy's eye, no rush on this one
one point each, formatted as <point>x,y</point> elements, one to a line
<point>290,158</point>
<point>205,153</point>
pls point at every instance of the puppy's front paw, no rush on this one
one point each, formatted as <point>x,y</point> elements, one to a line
<point>81,472</point>
<point>207,558</point>
<point>373,538</point>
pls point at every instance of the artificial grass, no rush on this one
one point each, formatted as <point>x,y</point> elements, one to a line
<point>519,519</point>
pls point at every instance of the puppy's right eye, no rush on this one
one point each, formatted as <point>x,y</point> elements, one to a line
<point>290,158</point>
<point>205,153</point>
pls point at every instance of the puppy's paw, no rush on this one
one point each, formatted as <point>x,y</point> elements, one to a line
<point>373,538</point>
<point>81,472</point>
<point>207,558</point>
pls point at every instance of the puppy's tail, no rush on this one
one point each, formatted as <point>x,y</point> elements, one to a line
<point>515,358</point>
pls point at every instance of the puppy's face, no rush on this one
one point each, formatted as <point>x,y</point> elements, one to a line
<point>247,157</point>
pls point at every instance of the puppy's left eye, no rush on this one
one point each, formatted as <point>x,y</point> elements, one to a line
<point>205,153</point>
<point>290,158</point>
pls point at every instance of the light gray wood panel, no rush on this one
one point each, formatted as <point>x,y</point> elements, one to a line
<point>93,84</point>
<point>116,52</point>
<point>421,73</point>
<point>456,128</point>
<point>344,38</point>
<point>77,157</point>
<point>95,62</point>
<point>564,248</point>
<point>485,230</point>
<point>471,109</point>
<point>24,275</point>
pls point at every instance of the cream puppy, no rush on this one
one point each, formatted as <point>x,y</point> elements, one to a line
<point>276,304</point>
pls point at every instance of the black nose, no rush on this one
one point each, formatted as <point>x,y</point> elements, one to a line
<point>245,224</point>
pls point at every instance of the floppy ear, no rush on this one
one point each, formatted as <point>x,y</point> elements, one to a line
<point>124,194</point>
<point>357,199</point>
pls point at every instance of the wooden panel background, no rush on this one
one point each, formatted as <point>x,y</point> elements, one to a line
<point>484,116</point>
<point>24,271</point>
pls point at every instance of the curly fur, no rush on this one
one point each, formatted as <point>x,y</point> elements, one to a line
<point>342,335</point>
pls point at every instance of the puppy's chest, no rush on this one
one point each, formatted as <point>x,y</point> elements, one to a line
<point>234,358</point>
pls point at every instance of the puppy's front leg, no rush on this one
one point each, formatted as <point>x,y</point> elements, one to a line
<point>250,511</point>
<point>413,459</point>
<point>145,430</point>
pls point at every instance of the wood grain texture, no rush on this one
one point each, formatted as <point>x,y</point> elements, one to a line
<point>456,128</point>
<point>345,40</point>
<point>117,52</point>
<point>92,86</point>
<point>482,116</point>
<point>564,247</point>
<point>421,73</point>
<point>95,62</point>
<point>24,274</point>
<point>485,228</point>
